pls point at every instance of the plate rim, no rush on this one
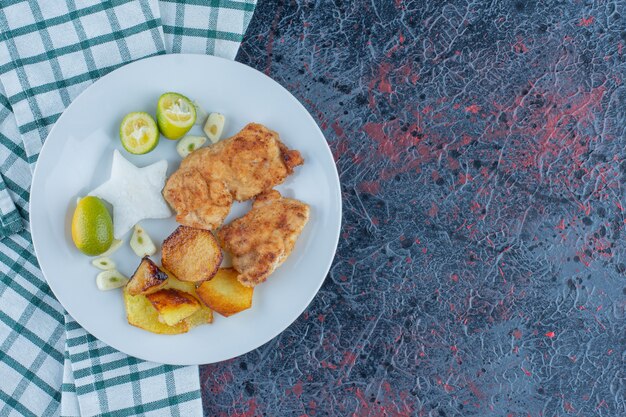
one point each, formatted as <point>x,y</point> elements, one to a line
<point>37,173</point>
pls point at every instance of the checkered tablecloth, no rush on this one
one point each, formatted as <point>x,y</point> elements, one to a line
<point>50,51</point>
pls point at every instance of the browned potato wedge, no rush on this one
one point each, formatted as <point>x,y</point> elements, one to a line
<point>173,305</point>
<point>225,294</point>
<point>140,313</point>
<point>192,255</point>
<point>147,278</point>
<point>205,314</point>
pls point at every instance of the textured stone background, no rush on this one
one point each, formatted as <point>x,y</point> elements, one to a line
<point>482,265</point>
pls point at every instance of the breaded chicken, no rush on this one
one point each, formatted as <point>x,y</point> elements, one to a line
<point>263,238</point>
<point>200,202</point>
<point>238,168</point>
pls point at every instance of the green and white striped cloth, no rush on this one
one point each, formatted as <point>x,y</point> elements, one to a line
<point>50,51</point>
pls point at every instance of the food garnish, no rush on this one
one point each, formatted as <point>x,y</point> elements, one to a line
<point>92,228</point>
<point>188,144</point>
<point>139,133</point>
<point>214,126</point>
<point>141,243</point>
<point>110,279</point>
<point>176,114</point>
<point>135,193</point>
<point>103,263</point>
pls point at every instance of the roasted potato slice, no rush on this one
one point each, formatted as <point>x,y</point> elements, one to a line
<point>192,255</point>
<point>225,294</point>
<point>202,316</point>
<point>205,314</point>
<point>140,313</point>
<point>173,305</point>
<point>175,283</point>
<point>147,278</point>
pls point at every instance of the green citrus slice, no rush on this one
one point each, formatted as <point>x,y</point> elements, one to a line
<point>139,133</point>
<point>176,114</point>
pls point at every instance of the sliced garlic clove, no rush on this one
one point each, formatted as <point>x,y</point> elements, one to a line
<point>104,263</point>
<point>108,280</point>
<point>214,126</point>
<point>141,243</point>
<point>188,144</point>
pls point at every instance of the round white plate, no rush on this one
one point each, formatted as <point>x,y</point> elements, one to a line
<point>76,158</point>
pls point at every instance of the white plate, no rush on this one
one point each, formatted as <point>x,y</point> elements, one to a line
<point>76,158</point>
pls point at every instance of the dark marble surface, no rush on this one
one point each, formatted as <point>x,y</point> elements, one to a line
<point>482,265</point>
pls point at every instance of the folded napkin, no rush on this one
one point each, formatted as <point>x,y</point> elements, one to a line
<point>50,51</point>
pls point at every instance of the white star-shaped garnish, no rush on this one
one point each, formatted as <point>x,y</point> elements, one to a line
<point>135,193</point>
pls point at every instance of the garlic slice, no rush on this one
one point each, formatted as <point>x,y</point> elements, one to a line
<point>188,144</point>
<point>141,243</point>
<point>108,280</point>
<point>214,126</point>
<point>104,263</point>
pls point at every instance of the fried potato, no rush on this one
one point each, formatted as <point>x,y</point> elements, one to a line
<point>192,255</point>
<point>140,313</point>
<point>225,294</point>
<point>175,283</point>
<point>173,305</point>
<point>202,316</point>
<point>147,278</point>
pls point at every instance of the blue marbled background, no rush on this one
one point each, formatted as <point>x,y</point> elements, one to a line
<point>482,265</point>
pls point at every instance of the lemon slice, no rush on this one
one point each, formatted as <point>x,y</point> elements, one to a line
<point>139,133</point>
<point>176,114</point>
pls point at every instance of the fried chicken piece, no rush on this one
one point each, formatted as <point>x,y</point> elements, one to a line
<point>238,168</point>
<point>200,202</point>
<point>263,238</point>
